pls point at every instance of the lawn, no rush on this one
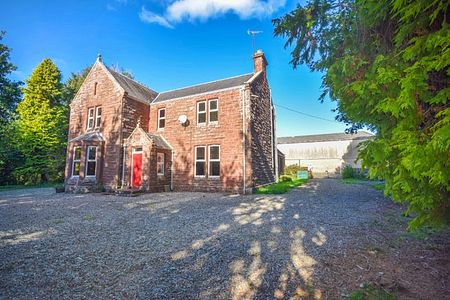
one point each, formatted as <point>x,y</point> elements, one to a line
<point>280,187</point>
<point>19,187</point>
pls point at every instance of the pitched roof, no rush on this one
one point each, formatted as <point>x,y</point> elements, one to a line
<point>204,87</point>
<point>90,136</point>
<point>324,138</point>
<point>133,88</point>
<point>159,141</point>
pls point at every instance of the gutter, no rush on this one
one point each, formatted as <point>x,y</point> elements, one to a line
<point>243,141</point>
<point>122,144</point>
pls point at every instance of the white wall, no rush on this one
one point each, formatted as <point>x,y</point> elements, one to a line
<point>325,157</point>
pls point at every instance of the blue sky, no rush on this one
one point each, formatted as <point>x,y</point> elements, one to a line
<point>168,44</point>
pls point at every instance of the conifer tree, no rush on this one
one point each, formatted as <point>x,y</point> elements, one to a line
<point>10,95</point>
<point>42,125</point>
<point>387,64</point>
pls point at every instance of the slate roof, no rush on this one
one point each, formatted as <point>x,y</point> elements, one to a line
<point>203,88</point>
<point>159,141</point>
<point>361,135</point>
<point>133,88</point>
<point>94,136</point>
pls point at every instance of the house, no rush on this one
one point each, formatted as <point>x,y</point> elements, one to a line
<point>214,136</point>
<point>327,154</point>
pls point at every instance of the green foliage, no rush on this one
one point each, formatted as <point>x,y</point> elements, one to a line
<point>371,292</point>
<point>348,172</point>
<point>285,178</point>
<point>42,125</point>
<point>292,170</point>
<point>280,187</point>
<point>10,95</point>
<point>387,66</point>
<point>73,84</point>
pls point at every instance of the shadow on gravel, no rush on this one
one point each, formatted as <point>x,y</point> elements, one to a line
<point>191,245</point>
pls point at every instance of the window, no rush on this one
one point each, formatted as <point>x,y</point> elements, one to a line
<point>214,161</point>
<point>95,88</point>
<point>161,118</point>
<point>76,161</point>
<point>213,111</point>
<point>98,116</point>
<point>160,163</point>
<point>201,112</point>
<point>90,123</point>
<point>200,161</point>
<point>91,160</point>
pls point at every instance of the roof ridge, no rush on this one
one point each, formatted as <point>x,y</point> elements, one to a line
<point>128,78</point>
<point>189,86</point>
<point>322,134</point>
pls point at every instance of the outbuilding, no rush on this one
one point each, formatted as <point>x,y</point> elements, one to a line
<point>326,154</point>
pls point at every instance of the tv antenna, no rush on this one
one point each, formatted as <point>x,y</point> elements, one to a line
<point>253,33</point>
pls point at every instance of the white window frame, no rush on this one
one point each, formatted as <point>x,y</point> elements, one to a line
<point>213,160</point>
<point>158,163</point>
<point>91,160</point>
<point>91,118</point>
<point>161,118</point>
<point>205,112</point>
<point>213,110</point>
<point>76,160</point>
<point>199,160</point>
<point>97,117</point>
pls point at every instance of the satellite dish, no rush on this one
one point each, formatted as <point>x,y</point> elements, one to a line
<point>182,119</point>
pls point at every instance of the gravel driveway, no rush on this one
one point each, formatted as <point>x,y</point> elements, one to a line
<point>190,245</point>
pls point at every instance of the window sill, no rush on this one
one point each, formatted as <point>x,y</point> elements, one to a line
<point>214,177</point>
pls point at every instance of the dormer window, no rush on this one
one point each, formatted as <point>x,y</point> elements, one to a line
<point>98,116</point>
<point>90,122</point>
<point>161,118</point>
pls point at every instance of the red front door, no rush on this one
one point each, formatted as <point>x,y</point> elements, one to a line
<point>137,170</point>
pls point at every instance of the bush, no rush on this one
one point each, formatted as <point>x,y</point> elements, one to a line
<point>285,178</point>
<point>292,170</point>
<point>348,172</point>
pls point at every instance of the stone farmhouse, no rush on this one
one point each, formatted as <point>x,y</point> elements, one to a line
<point>215,136</point>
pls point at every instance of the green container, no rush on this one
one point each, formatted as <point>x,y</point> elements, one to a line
<point>302,175</point>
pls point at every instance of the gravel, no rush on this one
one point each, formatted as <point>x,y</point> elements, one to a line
<point>185,245</point>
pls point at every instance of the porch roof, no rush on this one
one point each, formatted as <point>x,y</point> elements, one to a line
<point>94,136</point>
<point>159,141</point>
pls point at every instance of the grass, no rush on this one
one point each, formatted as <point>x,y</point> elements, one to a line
<point>371,292</point>
<point>21,187</point>
<point>280,187</point>
<point>379,186</point>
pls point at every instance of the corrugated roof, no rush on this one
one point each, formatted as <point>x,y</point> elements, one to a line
<point>159,141</point>
<point>133,88</point>
<point>90,136</point>
<point>323,138</point>
<point>203,88</point>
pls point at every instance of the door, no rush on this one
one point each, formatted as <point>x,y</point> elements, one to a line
<point>137,169</point>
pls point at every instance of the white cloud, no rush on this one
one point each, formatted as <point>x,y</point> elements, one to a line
<point>149,17</point>
<point>192,10</point>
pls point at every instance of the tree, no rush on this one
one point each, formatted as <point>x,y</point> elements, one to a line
<point>387,66</point>
<point>42,125</point>
<point>10,95</point>
<point>122,71</point>
<point>73,84</point>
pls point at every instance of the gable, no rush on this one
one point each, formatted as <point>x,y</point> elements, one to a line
<point>98,74</point>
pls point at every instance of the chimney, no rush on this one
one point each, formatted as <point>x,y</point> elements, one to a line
<point>259,62</point>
